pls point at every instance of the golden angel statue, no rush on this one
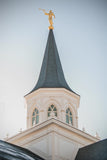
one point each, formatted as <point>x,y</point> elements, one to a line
<point>51,15</point>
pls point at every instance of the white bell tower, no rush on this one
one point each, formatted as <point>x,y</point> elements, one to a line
<point>52,97</point>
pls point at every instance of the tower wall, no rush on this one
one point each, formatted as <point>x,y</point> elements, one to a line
<point>61,98</point>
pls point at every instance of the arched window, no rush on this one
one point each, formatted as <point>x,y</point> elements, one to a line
<point>52,111</point>
<point>35,117</point>
<point>68,116</point>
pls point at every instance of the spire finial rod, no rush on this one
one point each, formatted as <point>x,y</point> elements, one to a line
<point>50,16</point>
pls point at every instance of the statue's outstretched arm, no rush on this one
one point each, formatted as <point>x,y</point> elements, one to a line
<point>43,11</point>
<point>46,13</point>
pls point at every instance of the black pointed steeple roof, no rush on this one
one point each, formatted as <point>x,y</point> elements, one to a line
<point>51,74</point>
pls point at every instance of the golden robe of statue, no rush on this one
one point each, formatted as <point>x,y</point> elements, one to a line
<point>51,15</point>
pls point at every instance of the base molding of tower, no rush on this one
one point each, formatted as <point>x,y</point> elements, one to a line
<point>53,140</point>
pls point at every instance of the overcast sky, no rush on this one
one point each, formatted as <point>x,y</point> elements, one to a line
<point>81,36</point>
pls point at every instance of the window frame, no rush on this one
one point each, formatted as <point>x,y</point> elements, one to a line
<point>69,116</point>
<point>52,109</point>
<point>35,116</point>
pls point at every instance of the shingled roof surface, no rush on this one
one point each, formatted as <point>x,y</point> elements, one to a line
<point>51,74</point>
<point>12,152</point>
<point>96,151</point>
